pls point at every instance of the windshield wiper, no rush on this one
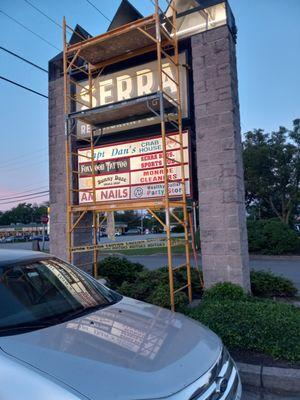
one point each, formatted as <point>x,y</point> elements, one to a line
<point>27,327</point>
<point>35,325</point>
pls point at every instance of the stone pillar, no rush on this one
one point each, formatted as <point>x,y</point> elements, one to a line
<point>57,166</point>
<point>57,176</point>
<point>223,230</point>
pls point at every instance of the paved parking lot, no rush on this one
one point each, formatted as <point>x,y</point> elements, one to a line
<point>290,268</point>
<point>285,267</point>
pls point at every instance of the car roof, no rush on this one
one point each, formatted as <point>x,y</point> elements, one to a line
<point>19,255</point>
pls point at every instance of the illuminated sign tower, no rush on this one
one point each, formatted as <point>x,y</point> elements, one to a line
<point>150,120</point>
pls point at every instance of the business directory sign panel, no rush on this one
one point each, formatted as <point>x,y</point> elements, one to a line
<point>132,170</point>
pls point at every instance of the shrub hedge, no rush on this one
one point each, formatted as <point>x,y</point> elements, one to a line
<point>271,236</point>
<point>243,322</point>
<point>117,270</point>
<point>153,287</point>
<point>266,284</point>
<point>224,291</point>
<point>262,326</point>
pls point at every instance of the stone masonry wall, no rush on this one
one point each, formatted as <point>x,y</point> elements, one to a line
<point>57,170</point>
<point>58,191</point>
<point>219,159</point>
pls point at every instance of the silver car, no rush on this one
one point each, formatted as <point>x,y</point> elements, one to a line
<point>65,336</point>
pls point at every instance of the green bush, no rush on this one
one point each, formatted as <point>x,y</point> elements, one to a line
<point>178,229</point>
<point>224,291</point>
<point>144,284</point>
<point>117,270</point>
<point>180,279</point>
<point>262,326</point>
<point>266,284</point>
<point>273,237</point>
<point>161,297</point>
<point>243,322</point>
<point>153,291</point>
<point>153,287</point>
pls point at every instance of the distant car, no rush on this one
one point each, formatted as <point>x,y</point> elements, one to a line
<point>133,231</point>
<point>118,233</point>
<point>157,230</point>
<point>40,238</point>
<point>19,239</point>
<point>65,336</point>
<point>37,237</point>
<point>9,239</point>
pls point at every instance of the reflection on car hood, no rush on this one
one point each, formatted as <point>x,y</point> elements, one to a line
<point>130,350</point>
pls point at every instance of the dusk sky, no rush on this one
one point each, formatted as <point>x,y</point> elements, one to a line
<point>268,56</point>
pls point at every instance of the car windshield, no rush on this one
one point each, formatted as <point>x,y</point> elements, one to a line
<point>46,292</point>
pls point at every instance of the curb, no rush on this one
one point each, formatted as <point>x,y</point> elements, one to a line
<point>273,258</point>
<point>272,379</point>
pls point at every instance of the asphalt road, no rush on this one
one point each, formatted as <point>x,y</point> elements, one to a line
<point>288,268</point>
<point>285,267</point>
<point>22,245</point>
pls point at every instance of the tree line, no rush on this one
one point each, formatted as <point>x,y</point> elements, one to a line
<point>24,213</point>
<point>272,173</point>
<point>272,181</point>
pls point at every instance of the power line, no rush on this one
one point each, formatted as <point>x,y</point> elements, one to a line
<point>44,14</point>
<point>18,168</point>
<point>99,11</point>
<point>23,59</point>
<point>51,19</point>
<point>24,162</point>
<point>20,201</point>
<point>23,87</point>
<point>38,182</point>
<point>24,196</point>
<point>20,194</point>
<point>29,30</point>
<point>13,160</point>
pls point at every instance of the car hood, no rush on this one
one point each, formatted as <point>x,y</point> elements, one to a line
<point>128,351</point>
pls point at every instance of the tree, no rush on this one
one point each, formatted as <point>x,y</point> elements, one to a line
<point>272,172</point>
<point>23,213</point>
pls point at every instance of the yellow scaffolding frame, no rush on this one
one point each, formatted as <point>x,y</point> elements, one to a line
<point>158,33</point>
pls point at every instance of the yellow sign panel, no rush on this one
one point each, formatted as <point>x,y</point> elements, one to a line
<point>133,244</point>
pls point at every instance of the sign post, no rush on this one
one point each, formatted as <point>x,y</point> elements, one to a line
<point>44,221</point>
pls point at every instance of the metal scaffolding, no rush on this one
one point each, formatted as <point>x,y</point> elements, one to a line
<point>88,58</point>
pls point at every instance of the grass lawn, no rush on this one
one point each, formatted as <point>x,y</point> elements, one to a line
<point>145,251</point>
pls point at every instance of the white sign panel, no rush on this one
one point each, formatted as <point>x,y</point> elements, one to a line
<point>132,170</point>
<point>128,84</point>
